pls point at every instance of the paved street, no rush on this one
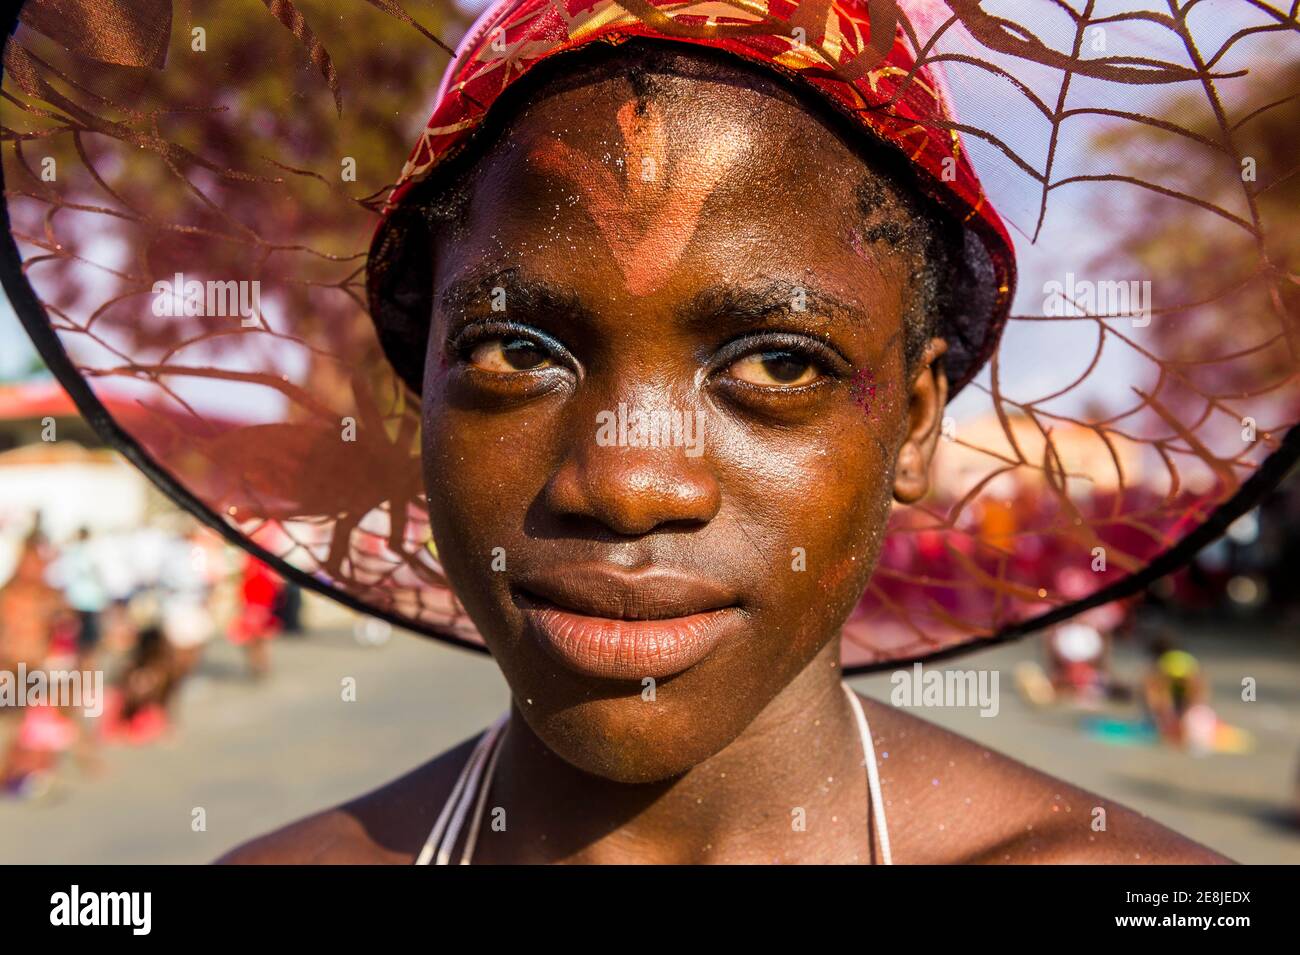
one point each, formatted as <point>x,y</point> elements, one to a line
<point>255,756</point>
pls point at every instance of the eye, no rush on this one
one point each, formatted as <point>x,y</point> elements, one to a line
<point>781,368</point>
<point>506,354</point>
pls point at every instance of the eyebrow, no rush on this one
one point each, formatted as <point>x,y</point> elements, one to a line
<point>749,305</point>
<point>528,294</point>
<point>730,304</point>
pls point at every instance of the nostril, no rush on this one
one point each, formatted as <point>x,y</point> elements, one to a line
<point>633,491</point>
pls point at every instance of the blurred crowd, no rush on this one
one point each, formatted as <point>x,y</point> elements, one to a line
<point>1246,576</point>
<point>137,607</point>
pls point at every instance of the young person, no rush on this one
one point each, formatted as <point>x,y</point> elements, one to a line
<point>765,260</point>
<point>664,317</point>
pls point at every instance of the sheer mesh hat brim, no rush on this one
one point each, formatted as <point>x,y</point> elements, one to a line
<point>1094,445</point>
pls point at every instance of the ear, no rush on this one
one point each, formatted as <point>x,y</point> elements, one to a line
<point>926,400</point>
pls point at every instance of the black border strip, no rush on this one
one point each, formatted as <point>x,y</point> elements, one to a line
<point>32,314</point>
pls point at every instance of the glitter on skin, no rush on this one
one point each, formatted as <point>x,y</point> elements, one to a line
<point>863,389</point>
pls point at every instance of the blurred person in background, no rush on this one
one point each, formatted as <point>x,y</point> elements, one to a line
<point>187,587</point>
<point>256,622</point>
<point>77,573</point>
<point>1078,653</point>
<point>37,629</point>
<point>169,624</point>
<point>1177,698</point>
<point>29,607</point>
<point>136,711</point>
<point>288,608</point>
<point>1079,656</point>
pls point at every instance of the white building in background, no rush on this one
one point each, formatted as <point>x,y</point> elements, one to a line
<point>52,464</point>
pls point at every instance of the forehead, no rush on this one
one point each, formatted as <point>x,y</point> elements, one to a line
<point>669,184</point>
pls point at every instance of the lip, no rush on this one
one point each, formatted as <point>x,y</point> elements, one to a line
<point>609,623</point>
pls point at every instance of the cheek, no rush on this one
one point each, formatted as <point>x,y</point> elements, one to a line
<point>478,481</point>
<point>818,503</point>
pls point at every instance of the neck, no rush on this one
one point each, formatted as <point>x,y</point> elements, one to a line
<point>790,788</point>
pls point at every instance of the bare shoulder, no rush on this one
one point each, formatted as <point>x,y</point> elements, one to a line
<point>951,800</point>
<point>386,826</point>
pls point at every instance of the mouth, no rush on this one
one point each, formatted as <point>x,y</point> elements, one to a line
<point>611,624</point>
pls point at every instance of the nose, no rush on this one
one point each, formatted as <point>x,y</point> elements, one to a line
<point>629,487</point>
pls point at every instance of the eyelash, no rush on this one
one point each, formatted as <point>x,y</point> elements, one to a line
<point>463,342</point>
<point>830,363</point>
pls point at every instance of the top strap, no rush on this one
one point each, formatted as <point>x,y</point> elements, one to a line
<point>438,847</point>
<point>873,776</point>
<point>476,777</point>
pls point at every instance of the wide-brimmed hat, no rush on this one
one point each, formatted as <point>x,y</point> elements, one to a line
<point>872,79</point>
<point>210,223</point>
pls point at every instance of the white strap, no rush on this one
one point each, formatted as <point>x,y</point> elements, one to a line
<point>476,823</point>
<point>873,776</point>
<point>472,786</point>
<point>482,764</point>
<point>452,815</point>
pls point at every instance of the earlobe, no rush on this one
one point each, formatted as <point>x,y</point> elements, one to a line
<point>926,400</point>
<point>911,474</point>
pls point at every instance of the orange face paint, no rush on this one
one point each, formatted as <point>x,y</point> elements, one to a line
<point>649,215</point>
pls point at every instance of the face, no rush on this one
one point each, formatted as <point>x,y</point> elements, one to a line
<point>666,409</point>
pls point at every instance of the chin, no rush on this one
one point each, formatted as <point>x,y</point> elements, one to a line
<point>626,739</point>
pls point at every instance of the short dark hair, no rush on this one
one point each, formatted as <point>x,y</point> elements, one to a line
<point>895,209</point>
